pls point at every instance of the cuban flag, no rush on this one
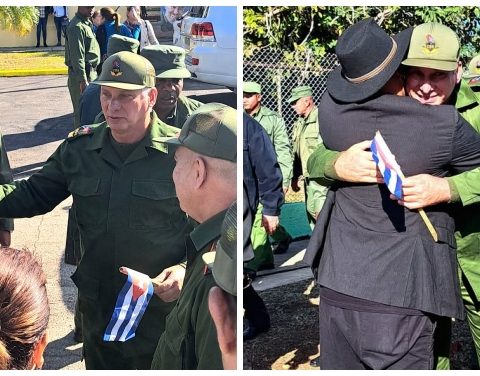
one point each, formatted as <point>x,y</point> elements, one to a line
<point>131,304</point>
<point>388,166</point>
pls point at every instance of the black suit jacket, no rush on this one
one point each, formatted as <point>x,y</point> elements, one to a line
<point>373,248</point>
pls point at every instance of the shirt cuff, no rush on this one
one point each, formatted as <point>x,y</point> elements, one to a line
<point>454,195</point>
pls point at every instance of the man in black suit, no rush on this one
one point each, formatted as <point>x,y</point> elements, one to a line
<point>384,281</point>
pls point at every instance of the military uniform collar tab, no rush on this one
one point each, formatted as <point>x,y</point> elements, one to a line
<point>99,137</point>
<point>207,231</point>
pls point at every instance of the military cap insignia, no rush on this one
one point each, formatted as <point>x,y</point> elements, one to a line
<point>116,69</point>
<point>80,131</point>
<point>430,46</point>
<point>176,60</point>
<point>150,71</point>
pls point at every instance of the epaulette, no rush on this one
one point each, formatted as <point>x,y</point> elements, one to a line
<point>80,131</point>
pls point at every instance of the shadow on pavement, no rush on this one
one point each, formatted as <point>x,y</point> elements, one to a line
<point>293,336</point>
<point>46,131</point>
<point>62,352</point>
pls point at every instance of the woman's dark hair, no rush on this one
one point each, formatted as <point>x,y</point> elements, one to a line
<point>110,15</point>
<point>24,309</point>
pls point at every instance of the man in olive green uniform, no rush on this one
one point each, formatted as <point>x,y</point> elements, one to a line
<point>89,107</point>
<point>205,183</point>
<point>120,176</point>
<point>222,299</point>
<point>275,128</point>
<point>82,55</point>
<point>306,138</point>
<point>172,107</point>
<point>432,79</point>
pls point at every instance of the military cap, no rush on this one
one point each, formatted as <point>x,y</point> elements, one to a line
<point>118,43</point>
<point>210,130</point>
<point>300,92</point>
<point>473,68</point>
<point>168,61</point>
<point>434,46</point>
<point>251,87</point>
<point>223,262</point>
<point>126,70</point>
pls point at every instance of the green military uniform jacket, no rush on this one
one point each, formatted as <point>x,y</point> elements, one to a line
<point>190,338</point>
<point>467,218</point>
<point>128,215</point>
<point>306,138</point>
<point>82,52</point>
<point>277,132</point>
<point>185,106</point>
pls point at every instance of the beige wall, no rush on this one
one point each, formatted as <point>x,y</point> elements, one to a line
<point>9,39</point>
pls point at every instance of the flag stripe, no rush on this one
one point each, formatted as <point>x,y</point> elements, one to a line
<point>128,311</point>
<point>387,165</point>
<point>116,311</point>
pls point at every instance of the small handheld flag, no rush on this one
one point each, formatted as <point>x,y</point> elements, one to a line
<point>388,166</point>
<point>392,174</point>
<point>131,304</point>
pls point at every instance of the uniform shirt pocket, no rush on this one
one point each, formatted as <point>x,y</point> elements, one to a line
<point>87,198</point>
<point>153,204</point>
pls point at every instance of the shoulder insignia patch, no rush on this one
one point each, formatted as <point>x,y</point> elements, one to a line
<point>80,131</point>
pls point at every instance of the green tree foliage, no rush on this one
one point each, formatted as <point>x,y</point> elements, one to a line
<point>318,27</point>
<point>19,20</point>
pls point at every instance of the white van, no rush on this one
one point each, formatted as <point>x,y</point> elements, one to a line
<point>209,34</point>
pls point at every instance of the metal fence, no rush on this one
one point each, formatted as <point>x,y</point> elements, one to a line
<point>278,77</point>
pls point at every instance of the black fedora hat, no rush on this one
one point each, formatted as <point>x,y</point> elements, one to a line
<point>368,58</point>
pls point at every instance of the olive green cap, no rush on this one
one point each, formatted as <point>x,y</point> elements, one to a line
<point>223,262</point>
<point>118,43</point>
<point>300,92</point>
<point>126,70</point>
<point>473,68</point>
<point>210,130</point>
<point>251,87</point>
<point>168,61</point>
<point>434,46</point>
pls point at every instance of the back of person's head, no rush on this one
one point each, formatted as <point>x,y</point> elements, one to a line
<point>110,15</point>
<point>24,310</point>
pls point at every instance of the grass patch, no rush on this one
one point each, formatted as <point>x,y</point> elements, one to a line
<point>32,63</point>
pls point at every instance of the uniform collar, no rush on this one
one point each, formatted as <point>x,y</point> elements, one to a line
<point>312,116</point>
<point>207,231</point>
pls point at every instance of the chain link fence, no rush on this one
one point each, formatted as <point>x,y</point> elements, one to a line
<point>278,77</point>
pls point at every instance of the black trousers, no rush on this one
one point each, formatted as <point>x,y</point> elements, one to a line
<point>255,310</point>
<point>42,30</point>
<point>58,25</point>
<point>362,340</point>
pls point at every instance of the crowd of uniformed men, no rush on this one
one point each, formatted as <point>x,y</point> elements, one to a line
<point>153,179</point>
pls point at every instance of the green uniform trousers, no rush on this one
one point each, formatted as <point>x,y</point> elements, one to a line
<point>74,89</point>
<point>262,249</point>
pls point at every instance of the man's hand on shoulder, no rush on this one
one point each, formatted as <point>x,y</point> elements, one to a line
<point>356,165</point>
